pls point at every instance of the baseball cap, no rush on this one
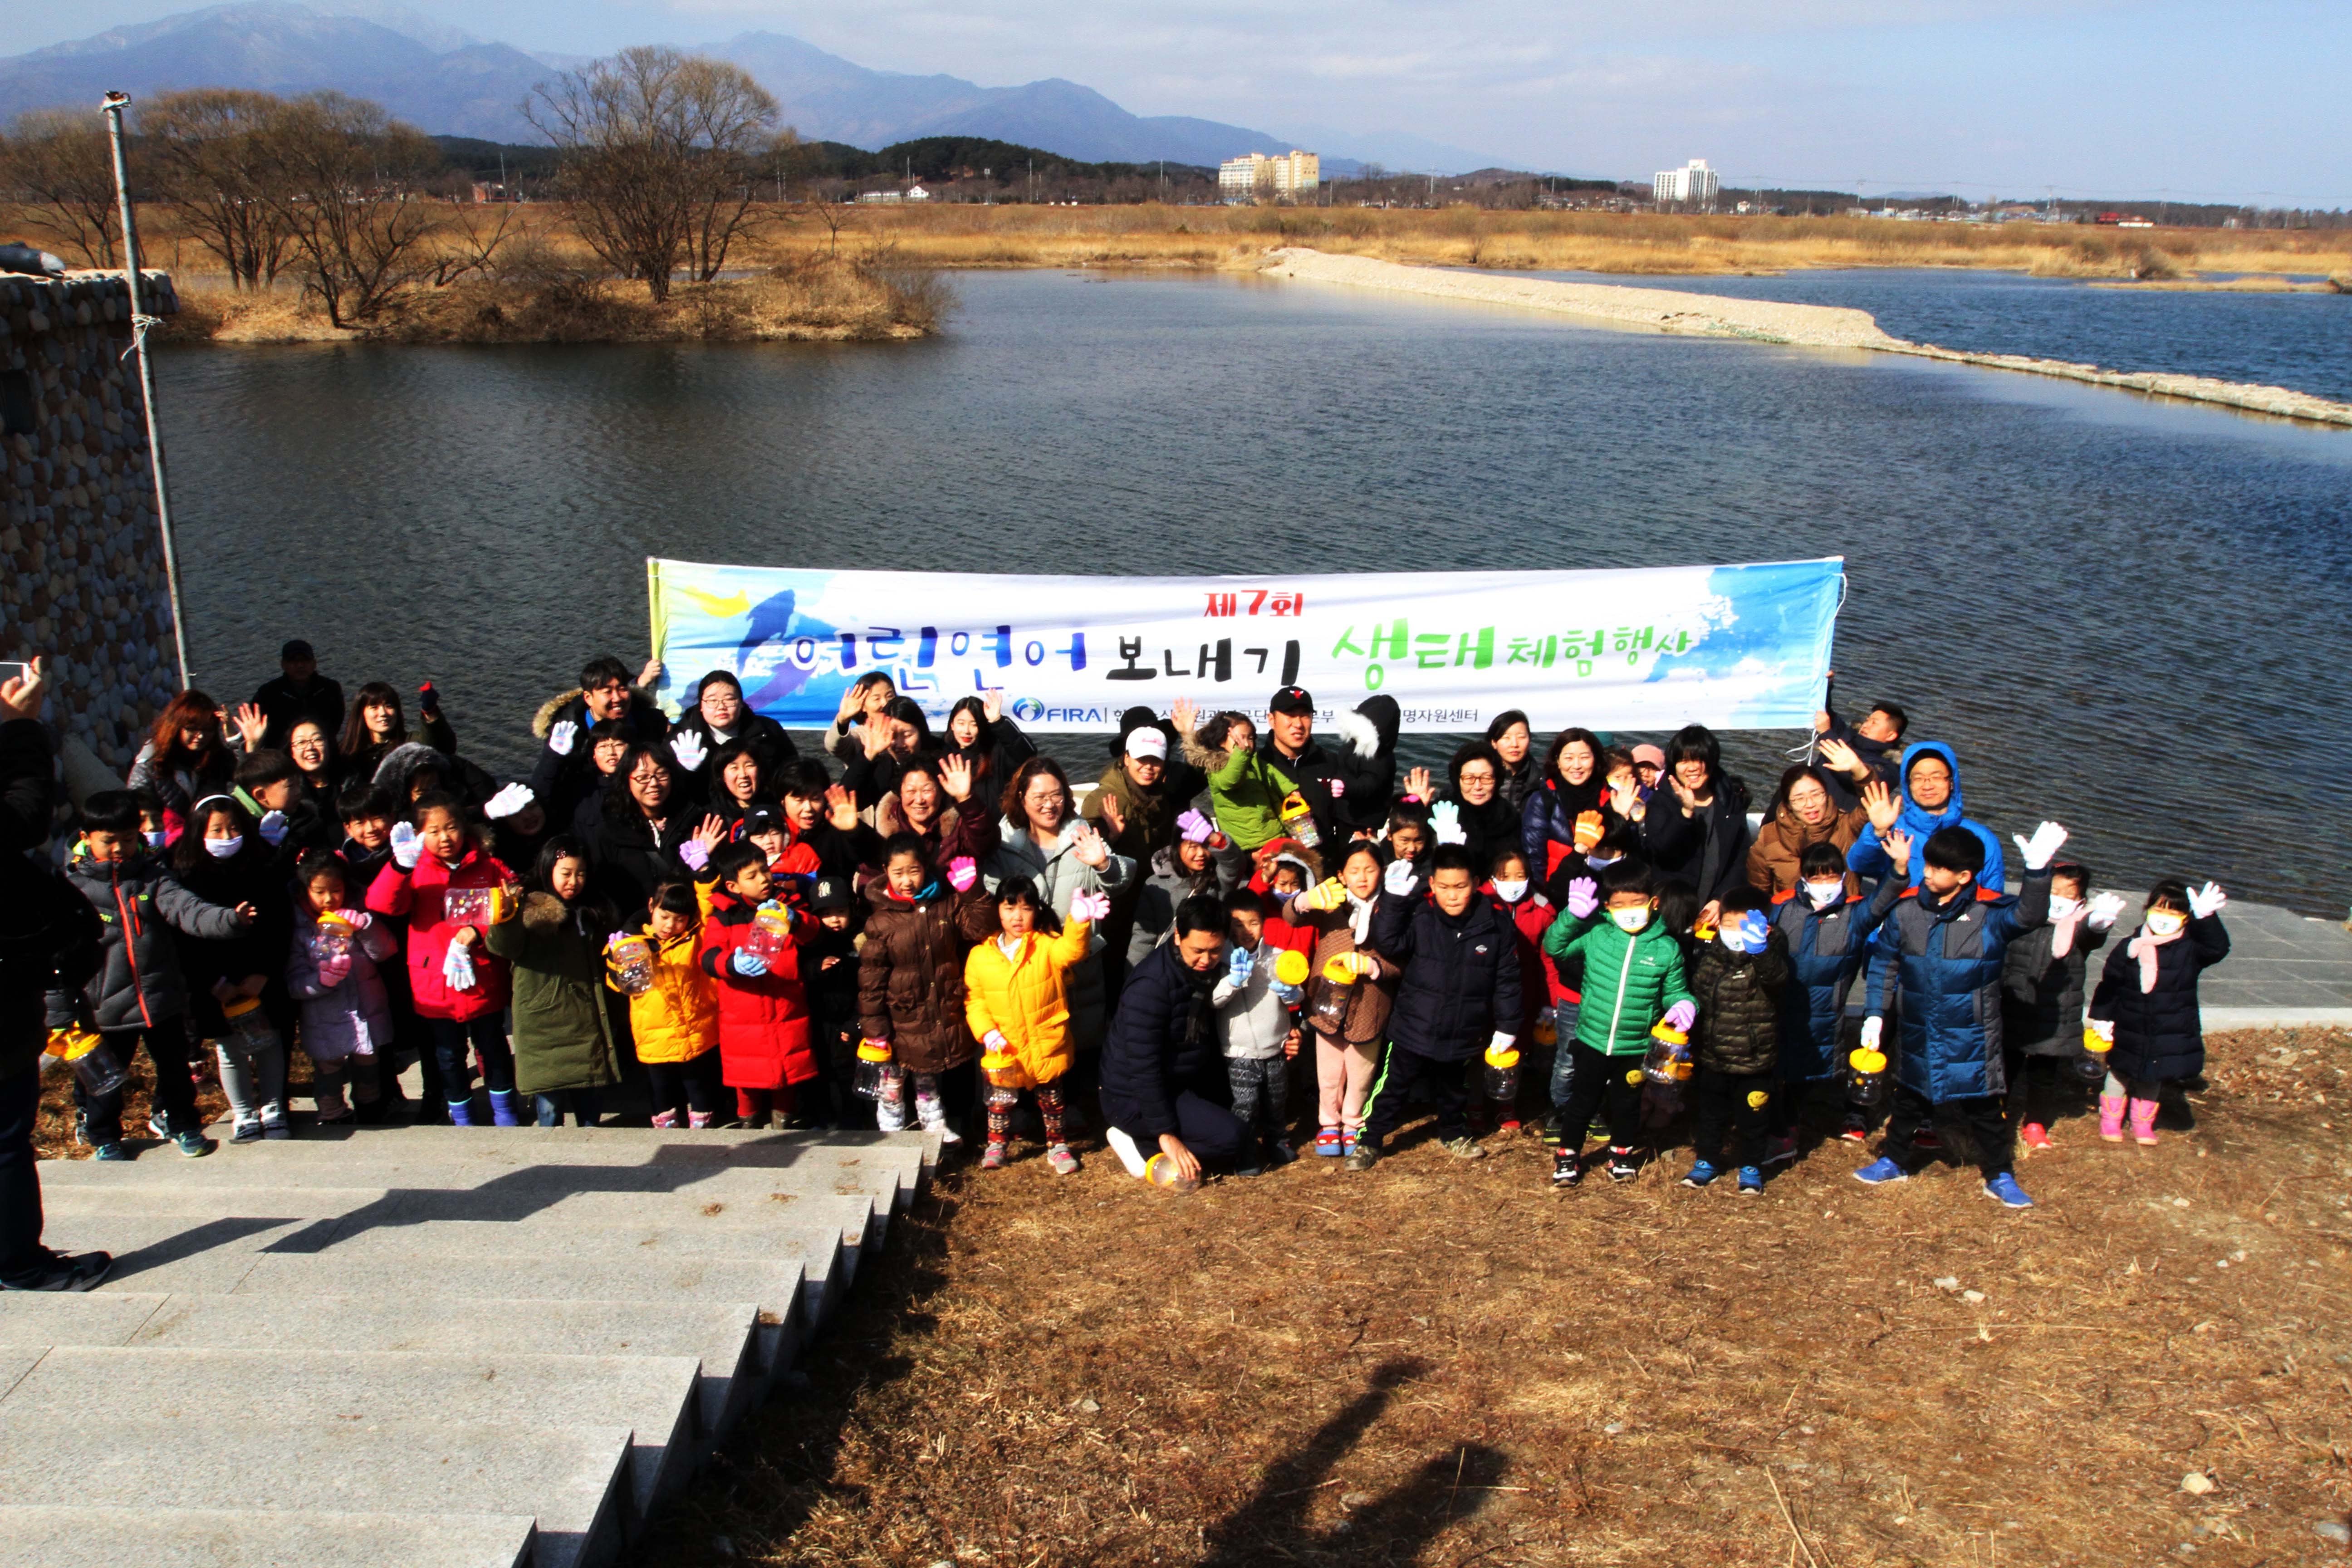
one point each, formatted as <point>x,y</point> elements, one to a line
<point>831,893</point>
<point>762,819</point>
<point>1146,742</point>
<point>1291,700</point>
<point>296,648</point>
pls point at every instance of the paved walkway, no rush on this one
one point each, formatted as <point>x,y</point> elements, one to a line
<point>2284,969</point>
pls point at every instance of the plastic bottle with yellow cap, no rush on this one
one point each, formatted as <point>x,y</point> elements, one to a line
<point>94,1066</point>
<point>1865,1076</point>
<point>1163,1171</point>
<point>1503,1073</point>
<point>1298,820</point>
<point>1669,1059</point>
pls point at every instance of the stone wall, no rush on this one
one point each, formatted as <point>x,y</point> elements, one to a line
<point>81,562</point>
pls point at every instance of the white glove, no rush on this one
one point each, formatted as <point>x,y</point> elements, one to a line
<point>508,801</point>
<point>404,846</point>
<point>1092,908</point>
<point>690,750</point>
<point>2205,902</point>
<point>2105,910</point>
<point>994,1040</point>
<point>2044,843</point>
<point>273,827</point>
<point>1445,823</point>
<point>2103,1028</point>
<point>1501,1042</point>
<point>457,968</point>
<point>563,737</point>
<point>1871,1029</point>
<point>1400,878</point>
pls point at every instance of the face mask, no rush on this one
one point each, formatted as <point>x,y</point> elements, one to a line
<point>155,839</point>
<point>1510,892</point>
<point>2164,923</point>
<point>1632,920</point>
<point>1602,862</point>
<point>222,849</point>
<point>1824,894</point>
<point>2063,909</point>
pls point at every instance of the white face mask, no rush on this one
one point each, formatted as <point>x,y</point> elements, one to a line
<point>1510,892</point>
<point>2062,908</point>
<point>155,839</point>
<point>2164,923</point>
<point>1824,894</point>
<point>222,849</point>
<point>1632,920</point>
<point>1602,862</point>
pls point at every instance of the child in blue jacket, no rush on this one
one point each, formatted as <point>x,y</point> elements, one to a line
<point>1828,929</point>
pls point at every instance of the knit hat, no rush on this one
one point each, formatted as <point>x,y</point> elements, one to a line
<point>1146,743</point>
<point>1655,756</point>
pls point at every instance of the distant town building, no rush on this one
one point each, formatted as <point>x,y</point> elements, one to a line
<point>1693,185</point>
<point>1242,179</point>
<point>911,194</point>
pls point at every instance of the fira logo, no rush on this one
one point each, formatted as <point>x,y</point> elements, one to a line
<point>1028,710</point>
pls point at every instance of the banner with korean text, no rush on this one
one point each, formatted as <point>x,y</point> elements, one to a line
<point>1650,648</point>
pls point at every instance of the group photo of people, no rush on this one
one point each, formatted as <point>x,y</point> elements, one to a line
<point>1227,942</point>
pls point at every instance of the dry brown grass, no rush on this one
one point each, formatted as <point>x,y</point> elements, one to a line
<point>1448,1363</point>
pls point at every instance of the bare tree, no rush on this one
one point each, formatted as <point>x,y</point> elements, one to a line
<point>220,167</point>
<point>662,154</point>
<point>348,194</point>
<point>58,162</point>
<point>475,241</point>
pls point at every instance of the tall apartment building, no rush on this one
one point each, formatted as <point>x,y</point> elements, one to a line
<point>1695,184</point>
<point>1294,176</point>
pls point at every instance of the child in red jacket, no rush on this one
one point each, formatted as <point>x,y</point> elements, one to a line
<point>764,1042</point>
<point>1514,892</point>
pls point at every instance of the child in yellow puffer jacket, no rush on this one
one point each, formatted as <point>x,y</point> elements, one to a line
<point>674,1017</point>
<point>1016,1001</point>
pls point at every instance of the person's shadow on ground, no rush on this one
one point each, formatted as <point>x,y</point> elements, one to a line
<point>1393,1528</point>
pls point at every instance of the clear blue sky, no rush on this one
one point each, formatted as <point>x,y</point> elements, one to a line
<point>2239,102</point>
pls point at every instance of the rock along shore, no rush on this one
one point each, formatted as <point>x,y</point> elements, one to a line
<point>1770,321</point>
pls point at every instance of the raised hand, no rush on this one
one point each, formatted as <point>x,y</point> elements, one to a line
<point>962,872</point>
<point>1748,933</point>
<point>1624,799</point>
<point>508,801</point>
<point>1239,964</point>
<point>563,737</point>
<point>650,677</point>
<point>21,696</point>
<point>273,827</point>
<point>251,725</point>
<point>874,734</point>
<point>1416,785</point>
<point>1092,849</point>
<point>690,750</point>
<point>2039,850</point>
<point>693,854</point>
<point>405,845</point>
<point>1326,896</point>
<point>1091,908</point>
<point>955,777</point>
<point>1183,715</point>
<point>1897,847</point>
<point>1192,825</point>
<point>992,704</point>
<point>2105,910</point>
<point>712,832</point>
<point>1883,805</point>
<point>1842,759</point>
<point>1583,898</point>
<point>1113,817</point>
<point>1400,878</point>
<point>1589,830</point>
<point>1445,823</point>
<point>840,808</point>
<point>2207,902</point>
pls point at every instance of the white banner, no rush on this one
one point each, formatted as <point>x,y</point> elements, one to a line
<point>1731,646</point>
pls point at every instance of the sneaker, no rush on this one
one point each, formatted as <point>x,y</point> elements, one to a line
<point>1279,1153</point>
<point>1364,1155</point>
<point>275,1125</point>
<point>118,1150</point>
<point>2005,1189</point>
<point>1701,1174</point>
<point>994,1156</point>
<point>2033,1135</point>
<point>1125,1147</point>
<point>1855,1128</point>
<point>1328,1143</point>
<point>1880,1172</point>
<point>1349,1140</point>
<point>156,1125</point>
<point>1623,1166</point>
<point>1510,1124</point>
<point>1780,1150</point>
<point>342,1118</point>
<point>1567,1169</point>
<point>1465,1147</point>
<point>247,1132</point>
<point>1751,1181</point>
<point>63,1272</point>
<point>1926,1139</point>
<point>1060,1161</point>
<point>194,1145</point>
<point>1249,1170</point>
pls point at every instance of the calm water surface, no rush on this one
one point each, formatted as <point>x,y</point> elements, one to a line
<point>2127,615</point>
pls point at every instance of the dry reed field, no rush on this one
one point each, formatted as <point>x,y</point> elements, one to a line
<point>1447,1363</point>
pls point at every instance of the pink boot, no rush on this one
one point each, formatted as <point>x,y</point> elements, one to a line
<point>666,1118</point>
<point>2143,1120</point>
<point>698,1118</point>
<point>2111,1118</point>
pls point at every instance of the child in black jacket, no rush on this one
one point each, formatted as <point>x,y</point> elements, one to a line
<point>2146,1006</point>
<point>2043,979</point>
<point>1738,979</point>
<point>829,966</point>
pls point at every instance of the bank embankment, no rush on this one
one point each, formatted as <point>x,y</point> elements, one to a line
<point>1764,320</point>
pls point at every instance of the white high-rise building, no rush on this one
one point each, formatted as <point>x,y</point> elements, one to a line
<point>1693,185</point>
<point>1294,176</point>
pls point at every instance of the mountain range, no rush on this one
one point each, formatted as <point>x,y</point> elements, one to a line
<point>447,81</point>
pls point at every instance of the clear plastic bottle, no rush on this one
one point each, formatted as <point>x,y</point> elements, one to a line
<point>770,932</point>
<point>331,940</point>
<point>1298,820</point>
<point>1503,1074</point>
<point>1865,1076</point>
<point>1161,1171</point>
<point>1332,997</point>
<point>1668,1061</point>
<point>467,906</point>
<point>876,1075</point>
<point>93,1064</point>
<point>249,1024</point>
<point>633,963</point>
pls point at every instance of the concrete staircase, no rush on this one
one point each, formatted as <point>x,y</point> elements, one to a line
<point>429,1347</point>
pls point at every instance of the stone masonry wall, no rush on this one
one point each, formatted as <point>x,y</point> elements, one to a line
<point>81,563</point>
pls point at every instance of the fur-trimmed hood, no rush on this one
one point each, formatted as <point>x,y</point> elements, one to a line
<point>552,709</point>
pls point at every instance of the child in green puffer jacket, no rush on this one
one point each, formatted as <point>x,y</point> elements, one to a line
<point>1246,790</point>
<point>1633,978</point>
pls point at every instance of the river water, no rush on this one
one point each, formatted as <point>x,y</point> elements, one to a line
<point>2127,614</point>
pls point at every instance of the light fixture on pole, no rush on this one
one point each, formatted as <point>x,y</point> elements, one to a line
<point>140,322</point>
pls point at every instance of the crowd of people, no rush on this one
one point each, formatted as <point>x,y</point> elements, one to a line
<point>937,929</point>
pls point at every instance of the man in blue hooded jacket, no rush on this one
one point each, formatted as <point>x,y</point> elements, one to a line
<point>1930,800</point>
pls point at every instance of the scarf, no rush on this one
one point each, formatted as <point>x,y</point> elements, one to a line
<point>2143,947</point>
<point>1359,917</point>
<point>2061,940</point>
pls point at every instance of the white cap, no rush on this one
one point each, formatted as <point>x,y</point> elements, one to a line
<point>1147,742</point>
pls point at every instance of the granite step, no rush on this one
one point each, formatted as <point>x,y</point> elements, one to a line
<point>74,1537</point>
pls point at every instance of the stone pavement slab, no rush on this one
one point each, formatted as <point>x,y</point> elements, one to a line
<point>73,1537</point>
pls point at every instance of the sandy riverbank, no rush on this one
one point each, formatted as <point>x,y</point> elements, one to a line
<point>1764,320</point>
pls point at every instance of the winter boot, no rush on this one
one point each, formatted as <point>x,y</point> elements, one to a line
<point>2111,1118</point>
<point>666,1119</point>
<point>2143,1120</point>
<point>933,1117</point>
<point>461,1113</point>
<point>2035,1135</point>
<point>505,1108</point>
<point>698,1119</point>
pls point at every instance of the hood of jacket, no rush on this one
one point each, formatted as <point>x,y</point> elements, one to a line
<point>1372,727</point>
<point>1917,820</point>
<point>404,760</point>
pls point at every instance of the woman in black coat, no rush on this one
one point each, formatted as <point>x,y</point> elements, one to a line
<point>639,832</point>
<point>1714,858</point>
<point>1474,788</point>
<point>717,718</point>
<point>980,733</point>
<point>2145,1005</point>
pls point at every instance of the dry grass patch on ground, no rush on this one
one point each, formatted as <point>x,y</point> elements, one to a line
<point>1445,1362</point>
